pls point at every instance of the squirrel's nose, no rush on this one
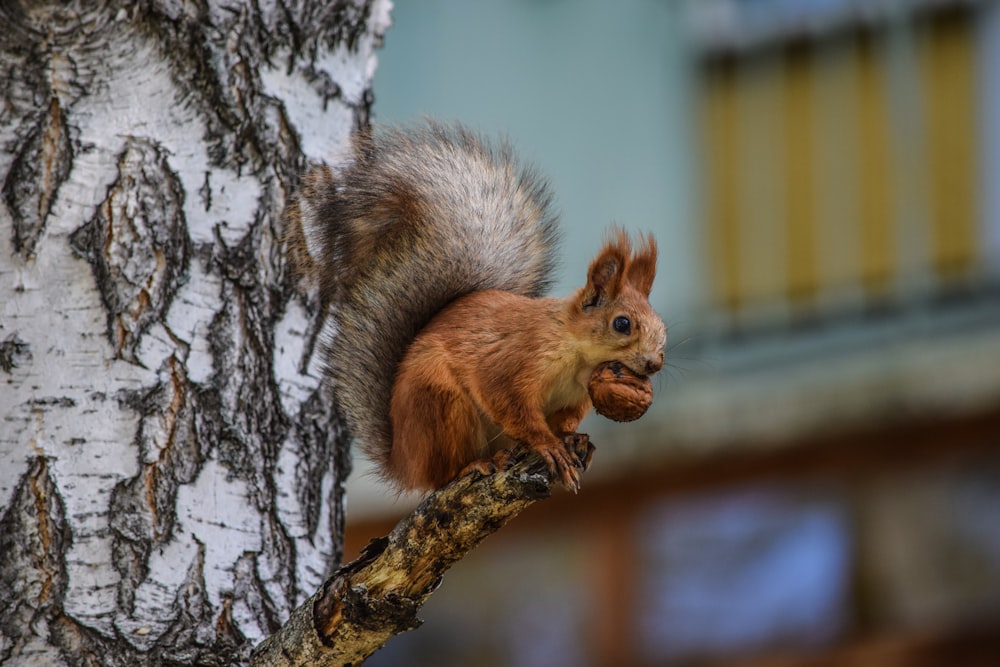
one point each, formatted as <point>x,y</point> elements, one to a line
<point>655,364</point>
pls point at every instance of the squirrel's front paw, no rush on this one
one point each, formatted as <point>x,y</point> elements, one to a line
<point>580,446</point>
<point>567,459</point>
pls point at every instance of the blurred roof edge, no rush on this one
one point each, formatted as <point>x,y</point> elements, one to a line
<point>718,27</point>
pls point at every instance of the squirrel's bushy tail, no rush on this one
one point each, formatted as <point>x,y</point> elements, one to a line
<point>415,219</point>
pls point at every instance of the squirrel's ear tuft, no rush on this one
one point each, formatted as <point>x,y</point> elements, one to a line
<point>641,268</point>
<point>604,278</point>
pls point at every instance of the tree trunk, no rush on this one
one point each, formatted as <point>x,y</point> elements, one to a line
<point>171,476</point>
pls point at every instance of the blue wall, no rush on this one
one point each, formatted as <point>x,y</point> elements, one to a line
<point>593,92</point>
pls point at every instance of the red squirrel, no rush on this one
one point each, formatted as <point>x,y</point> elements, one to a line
<point>430,250</point>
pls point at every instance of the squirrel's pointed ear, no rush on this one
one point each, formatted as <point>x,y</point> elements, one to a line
<point>642,268</point>
<point>604,278</point>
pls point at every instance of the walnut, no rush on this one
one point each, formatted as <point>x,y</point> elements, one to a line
<point>618,393</point>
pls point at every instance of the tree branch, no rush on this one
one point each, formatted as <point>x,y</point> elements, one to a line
<point>377,596</point>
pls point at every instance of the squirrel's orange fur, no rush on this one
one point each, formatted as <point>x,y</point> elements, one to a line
<point>429,251</point>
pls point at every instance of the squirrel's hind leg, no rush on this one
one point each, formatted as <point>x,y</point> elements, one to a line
<point>437,433</point>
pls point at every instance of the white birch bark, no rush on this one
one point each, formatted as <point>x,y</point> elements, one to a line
<point>170,475</point>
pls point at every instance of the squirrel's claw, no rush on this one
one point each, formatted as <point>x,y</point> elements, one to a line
<point>565,463</point>
<point>485,467</point>
<point>570,460</point>
<point>580,446</point>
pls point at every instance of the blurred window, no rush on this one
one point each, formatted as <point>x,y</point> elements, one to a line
<point>742,571</point>
<point>841,162</point>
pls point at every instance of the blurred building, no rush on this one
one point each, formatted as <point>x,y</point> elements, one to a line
<point>818,481</point>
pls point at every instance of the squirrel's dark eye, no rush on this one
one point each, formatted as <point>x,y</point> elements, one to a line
<point>622,324</point>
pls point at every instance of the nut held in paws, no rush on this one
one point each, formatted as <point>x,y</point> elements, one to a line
<point>618,393</point>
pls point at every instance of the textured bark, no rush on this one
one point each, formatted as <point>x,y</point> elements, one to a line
<point>377,596</point>
<point>171,476</point>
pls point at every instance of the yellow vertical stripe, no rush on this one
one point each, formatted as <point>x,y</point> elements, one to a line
<point>720,132</point>
<point>837,223</point>
<point>760,197</point>
<point>874,168</point>
<point>949,66</point>
<point>799,171</point>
